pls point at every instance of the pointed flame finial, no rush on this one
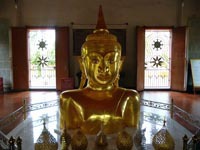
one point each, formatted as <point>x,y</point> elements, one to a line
<point>100,22</point>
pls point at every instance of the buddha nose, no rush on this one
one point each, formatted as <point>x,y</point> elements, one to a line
<point>103,68</point>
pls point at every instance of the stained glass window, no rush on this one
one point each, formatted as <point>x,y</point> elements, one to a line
<point>41,45</point>
<point>157,58</point>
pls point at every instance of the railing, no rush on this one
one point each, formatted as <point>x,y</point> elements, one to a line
<point>22,111</point>
<point>42,105</point>
<point>158,105</point>
<point>46,77</point>
<point>3,141</point>
<point>194,121</point>
<point>6,121</point>
<point>157,78</point>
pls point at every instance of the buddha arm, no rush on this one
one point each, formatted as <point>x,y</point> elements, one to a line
<point>107,122</point>
<point>71,113</point>
<point>131,109</point>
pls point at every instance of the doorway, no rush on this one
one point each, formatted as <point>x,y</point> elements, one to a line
<point>41,59</point>
<point>157,69</point>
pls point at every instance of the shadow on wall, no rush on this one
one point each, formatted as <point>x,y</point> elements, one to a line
<point>5,61</point>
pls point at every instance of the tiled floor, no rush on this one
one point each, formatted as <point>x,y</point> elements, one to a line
<point>151,120</point>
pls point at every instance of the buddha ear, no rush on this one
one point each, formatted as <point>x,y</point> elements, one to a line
<point>121,62</point>
<point>83,75</point>
<point>80,61</point>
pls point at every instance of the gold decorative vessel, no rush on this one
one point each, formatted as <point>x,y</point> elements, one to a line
<point>101,140</point>
<point>46,141</point>
<point>124,141</point>
<point>65,140</point>
<point>79,141</point>
<point>163,140</point>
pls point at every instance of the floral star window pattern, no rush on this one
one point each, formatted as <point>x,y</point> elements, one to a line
<point>157,61</point>
<point>42,44</point>
<point>42,61</point>
<point>157,44</point>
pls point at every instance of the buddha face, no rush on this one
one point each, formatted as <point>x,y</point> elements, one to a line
<point>101,68</point>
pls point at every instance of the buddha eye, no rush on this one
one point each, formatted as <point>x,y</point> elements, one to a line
<point>94,60</point>
<point>111,61</point>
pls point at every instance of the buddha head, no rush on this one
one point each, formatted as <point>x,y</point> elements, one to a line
<point>101,56</point>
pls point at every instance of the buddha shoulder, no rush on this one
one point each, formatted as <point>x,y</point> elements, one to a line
<point>131,94</point>
<point>70,94</point>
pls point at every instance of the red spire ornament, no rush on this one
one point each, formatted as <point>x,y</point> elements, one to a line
<point>101,22</point>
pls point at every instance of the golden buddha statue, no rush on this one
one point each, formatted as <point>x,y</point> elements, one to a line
<point>101,101</point>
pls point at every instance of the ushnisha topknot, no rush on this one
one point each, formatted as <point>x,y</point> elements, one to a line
<point>101,39</point>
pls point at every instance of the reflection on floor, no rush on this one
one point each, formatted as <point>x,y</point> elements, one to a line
<point>151,118</point>
<point>30,129</point>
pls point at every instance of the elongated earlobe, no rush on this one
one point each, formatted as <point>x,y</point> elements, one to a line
<point>121,62</point>
<point>116,82</point>
<point>83,75</point>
